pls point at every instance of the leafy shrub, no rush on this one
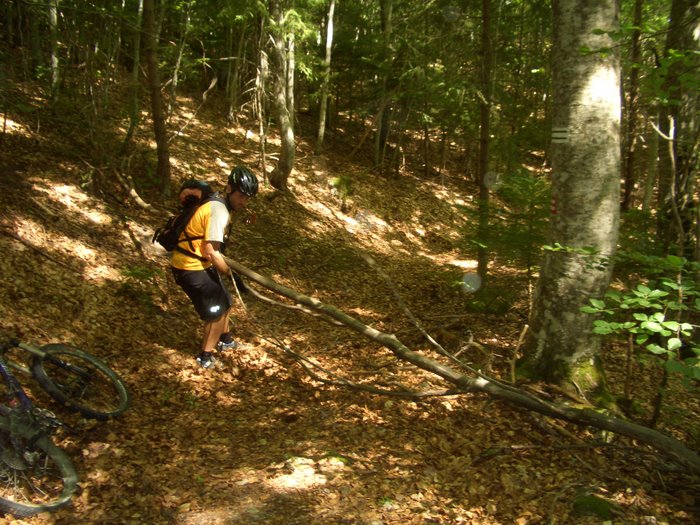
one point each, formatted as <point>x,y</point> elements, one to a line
<point>658,313</point>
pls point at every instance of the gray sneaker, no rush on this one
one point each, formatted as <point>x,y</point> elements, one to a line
<point>223,347</point>
<point>206,360</point>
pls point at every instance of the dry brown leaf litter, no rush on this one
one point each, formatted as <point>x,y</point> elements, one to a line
<point>258,441</point>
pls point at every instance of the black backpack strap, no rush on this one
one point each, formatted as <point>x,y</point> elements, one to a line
<point>189,239</point>
<point>190,253</point>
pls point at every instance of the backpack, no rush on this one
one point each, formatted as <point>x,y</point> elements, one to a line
<point>192,195</point>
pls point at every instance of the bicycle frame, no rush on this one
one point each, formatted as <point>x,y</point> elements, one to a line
<point>36,475</point>
<point>14,343</point>
<point>18,397</point>
<point>18,402</point>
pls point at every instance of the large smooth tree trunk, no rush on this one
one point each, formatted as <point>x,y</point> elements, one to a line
<point>280,174</point>
<point>585,187</point>
<point>150,43</point>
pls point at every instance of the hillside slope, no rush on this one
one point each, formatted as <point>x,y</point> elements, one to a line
<point>260,441</point>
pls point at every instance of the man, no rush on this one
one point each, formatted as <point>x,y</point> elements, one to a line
<point>198,264</point>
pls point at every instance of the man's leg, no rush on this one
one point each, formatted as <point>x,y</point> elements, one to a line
<point>213,331</point>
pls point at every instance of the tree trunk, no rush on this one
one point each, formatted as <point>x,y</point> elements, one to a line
<point>234,77</point>
<point>151,42</point>
<point>484,140</point>
<point>9,17</point>
<point>134,88</point>
<point>261,75</point>
<point>632,113</point>
<point>280,174</point>
<point>384,112</point>
<point>678,124</point>
<point>175,81</point>
<point>326,80</point>
<point>32,13</point>
<point>290,70</point>
<point>561,347</point>
<point>53,31</point>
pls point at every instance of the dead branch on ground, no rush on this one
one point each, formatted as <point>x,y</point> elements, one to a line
<point>484,384</point>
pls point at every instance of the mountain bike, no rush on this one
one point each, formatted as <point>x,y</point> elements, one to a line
<point>35,475</point>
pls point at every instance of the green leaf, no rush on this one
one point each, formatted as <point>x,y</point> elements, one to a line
<point>642,290</point>
<point>676,262</point>
<point>652,326</point>
<point>671,325</point>
<point>641,339</point>
<point>673,344</point>
<point>588,309</point>
<point>598,303</point>
<point>613,295</point>
<point>656,349</point>
<point>657,294</point>
<point>675,366</point>
<point>602,329</point>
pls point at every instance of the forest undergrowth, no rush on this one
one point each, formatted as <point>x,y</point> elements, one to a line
<point>259,440</point>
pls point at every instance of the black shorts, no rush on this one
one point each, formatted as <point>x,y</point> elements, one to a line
<point>208,294</point>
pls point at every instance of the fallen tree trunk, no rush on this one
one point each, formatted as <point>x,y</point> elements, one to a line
<point>580,416</point>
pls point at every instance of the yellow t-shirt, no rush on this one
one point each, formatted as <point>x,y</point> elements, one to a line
<point>209,224</point>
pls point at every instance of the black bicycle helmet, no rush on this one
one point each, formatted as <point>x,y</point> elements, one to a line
<point>243,180</point>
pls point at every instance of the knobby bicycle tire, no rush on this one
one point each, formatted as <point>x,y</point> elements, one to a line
<point>44,483</point>
<point>80,381</point>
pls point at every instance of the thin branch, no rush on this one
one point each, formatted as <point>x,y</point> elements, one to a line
<point>204,99</point>
<point>416,322</point>
<point>269,300</point>
<point>308,365</point>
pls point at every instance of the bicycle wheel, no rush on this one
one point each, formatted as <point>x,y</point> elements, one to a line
<point>35,475</point>
<point>80,381</point>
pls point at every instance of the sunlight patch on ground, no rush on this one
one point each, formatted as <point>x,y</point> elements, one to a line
<point>15,128</point>
<point>237,152</point>
<point>324,211</point>
<point>222,164</point>
<point>180,164</point>
<point>465,264</point>
<point>37,236</point>
<point>453,198</point>
<point>370,221</point>
<point>77,202</point>
<point>303,475</point>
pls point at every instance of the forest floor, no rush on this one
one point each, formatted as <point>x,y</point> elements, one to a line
<point>259,441</point>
